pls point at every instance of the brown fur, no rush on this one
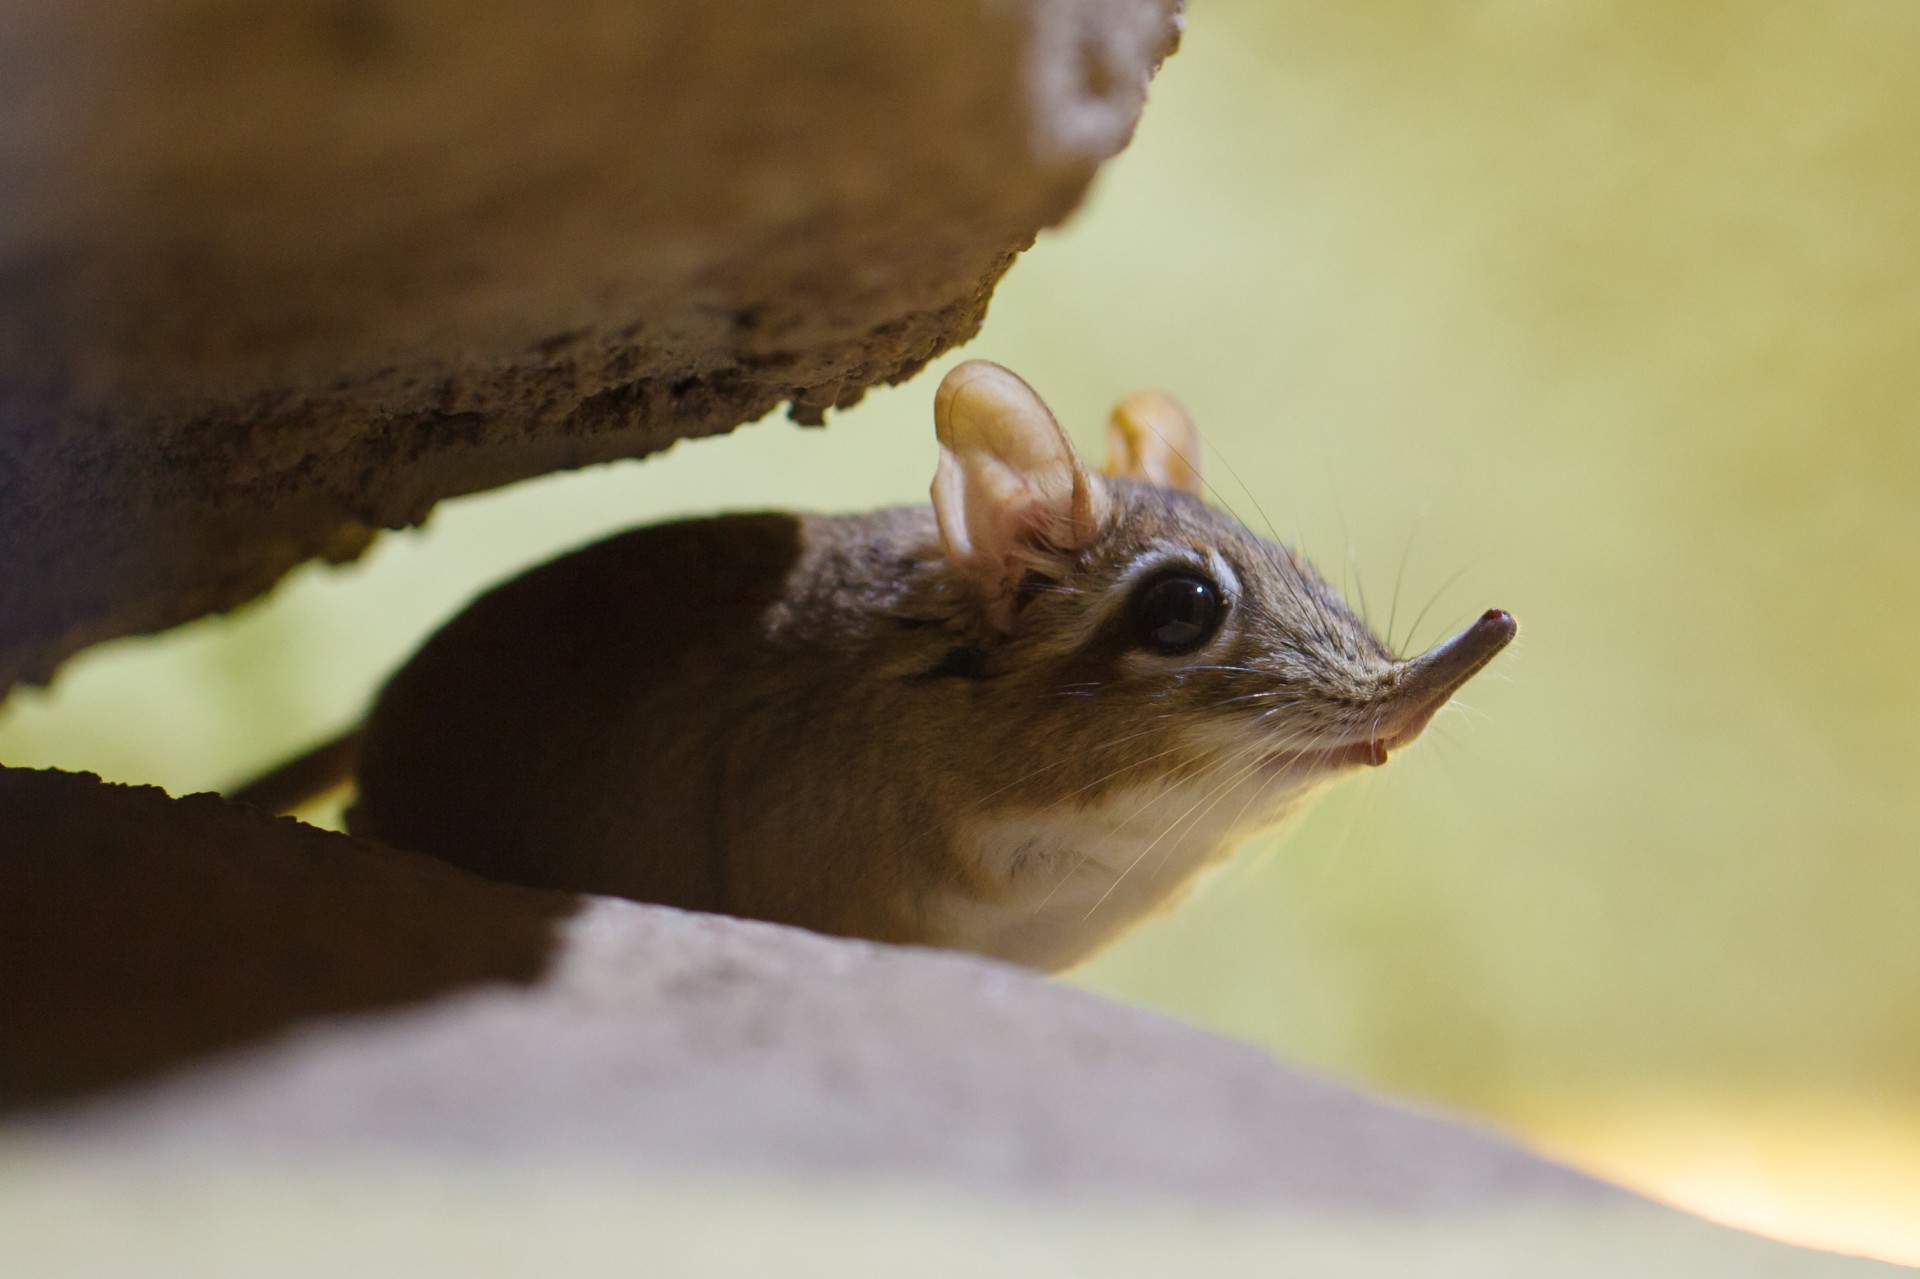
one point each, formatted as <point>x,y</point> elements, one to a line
<point>927,724</point>
<point>763,714</point>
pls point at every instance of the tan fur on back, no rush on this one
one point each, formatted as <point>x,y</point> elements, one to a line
<point>821,721</point>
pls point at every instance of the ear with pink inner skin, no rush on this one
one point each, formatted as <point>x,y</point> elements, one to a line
<point>1010,491</point>
<point>1151,437</point>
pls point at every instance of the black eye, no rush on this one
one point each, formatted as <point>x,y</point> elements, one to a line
<point>1177,614</point>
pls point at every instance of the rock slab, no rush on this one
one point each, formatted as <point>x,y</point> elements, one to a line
<point>273,277</point>
<point>192,984</point>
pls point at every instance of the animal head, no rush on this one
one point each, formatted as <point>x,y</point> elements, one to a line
<point>1148,629</point>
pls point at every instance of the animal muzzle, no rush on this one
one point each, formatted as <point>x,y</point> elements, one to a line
<point>1428,682</point>
<point>1409,698</point>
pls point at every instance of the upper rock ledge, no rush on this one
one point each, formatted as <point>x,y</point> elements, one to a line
<point>275,276</point>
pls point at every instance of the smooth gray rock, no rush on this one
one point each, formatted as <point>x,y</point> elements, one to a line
<point>191,985</point>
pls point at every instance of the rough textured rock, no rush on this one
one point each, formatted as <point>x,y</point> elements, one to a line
<point>189,985</point>
<point>275,276</point>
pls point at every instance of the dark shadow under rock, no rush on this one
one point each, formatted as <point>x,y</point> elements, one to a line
<point>140,934</point>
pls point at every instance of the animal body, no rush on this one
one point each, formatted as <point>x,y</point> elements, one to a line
<point>1016,721</point>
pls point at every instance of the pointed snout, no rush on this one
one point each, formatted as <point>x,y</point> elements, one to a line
<point>1427,682</point>
<point>1437,674</point>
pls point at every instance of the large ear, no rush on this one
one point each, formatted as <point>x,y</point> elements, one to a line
<point>1151,437</point>
<point>1009,489</point>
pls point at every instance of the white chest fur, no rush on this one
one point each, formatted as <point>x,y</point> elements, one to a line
<point>1072,878</point>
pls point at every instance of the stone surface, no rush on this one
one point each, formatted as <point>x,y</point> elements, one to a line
<point>273,277</point>
<point>189,985</point>
<point>194,972</point>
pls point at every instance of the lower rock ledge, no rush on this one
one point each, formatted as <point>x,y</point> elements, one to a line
<point>196,992</point>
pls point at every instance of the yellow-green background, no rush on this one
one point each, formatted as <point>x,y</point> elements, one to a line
<point>1605,313</point>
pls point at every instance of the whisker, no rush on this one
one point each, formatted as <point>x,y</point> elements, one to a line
<point>1359,587</point>
<point>1261,749</point>
<point>983,800</point>
<point>1087,855</point>
<point>1457,574</point>
<point>1155,842</point>
<point>1269,694</point>
<point>1222,791</point>
<point>1400,573</point>
<point>1212,489</point>
<point>1345,842</point>
<point>1261,512</point>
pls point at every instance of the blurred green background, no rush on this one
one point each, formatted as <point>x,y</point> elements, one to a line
<point>1607,313</point>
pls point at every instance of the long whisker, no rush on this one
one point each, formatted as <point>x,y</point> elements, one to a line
<point>1155,842</point>
<point>1280,746</point>
<point>1220,794</point>
<point>1285,840</point>
<point>1346,533</point>
<point>1414,628</point>
<point>1345,842</point>
<point>1260,749</point>
<point>1264,694</point>
<point>1359,587</point>
<point>1194,468</point>
<point>1400,574</point>
<point>1261,512</point>
<point>1024,778</point>
<point>1087,854</point>
<point>1073,794</point>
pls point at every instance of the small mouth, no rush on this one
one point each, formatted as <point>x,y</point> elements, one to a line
<point>1369,752</point>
